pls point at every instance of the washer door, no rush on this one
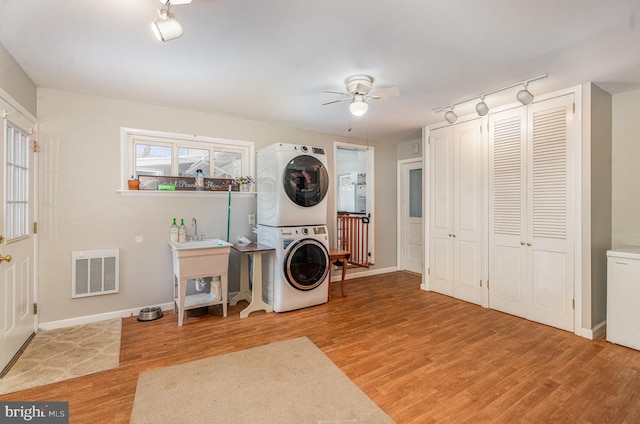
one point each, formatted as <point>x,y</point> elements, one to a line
<point>305,180</point>
<point>306,264</point>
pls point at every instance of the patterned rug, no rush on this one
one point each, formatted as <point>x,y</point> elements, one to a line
<point>64,353</point>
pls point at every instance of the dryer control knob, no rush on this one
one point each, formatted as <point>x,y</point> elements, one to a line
<point>305,231</point>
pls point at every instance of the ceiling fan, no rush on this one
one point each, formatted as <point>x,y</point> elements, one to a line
<point>361,95</point>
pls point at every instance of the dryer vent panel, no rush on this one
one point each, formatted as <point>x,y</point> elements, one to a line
<point>94,272</point>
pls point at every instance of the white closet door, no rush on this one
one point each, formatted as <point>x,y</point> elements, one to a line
<point>508,290</point>
<point>467,211</point>
<point>550,183</point>
<point>441,216</point>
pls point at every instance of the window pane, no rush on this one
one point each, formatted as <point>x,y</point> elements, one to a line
<point>415,193</point>
<point>227,165</point>
<point>17,184</point>
<point>153,160</point>
<point>190,160</point>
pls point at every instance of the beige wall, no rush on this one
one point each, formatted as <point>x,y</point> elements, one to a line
<point>597,134</point>
<point>16,82</point>
<point>626,169</point>
<point>81,210</point>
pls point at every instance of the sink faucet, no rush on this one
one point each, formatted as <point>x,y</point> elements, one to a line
<point>194,223</point>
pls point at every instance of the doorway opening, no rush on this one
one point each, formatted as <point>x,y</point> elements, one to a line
<point>354,200</point>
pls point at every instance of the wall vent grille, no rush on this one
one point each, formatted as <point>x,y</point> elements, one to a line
<point>94,272</point>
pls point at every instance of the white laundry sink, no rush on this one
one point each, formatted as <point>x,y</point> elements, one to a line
<point>200,244</point>
<point>199,259</point>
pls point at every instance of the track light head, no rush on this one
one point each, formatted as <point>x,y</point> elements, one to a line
<point>451,117</point>
<point>524,96</point>
<point>166,27</point>
<point>482,107</point>
<point>358,106</point>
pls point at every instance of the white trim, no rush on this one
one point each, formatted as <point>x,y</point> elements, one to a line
<point>126,152</point>
<point>370,191</point>
<point>597,331</point>
<point>87,319</point>
<point>366,273</point>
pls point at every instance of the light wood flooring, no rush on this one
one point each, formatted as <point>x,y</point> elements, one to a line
<point>421,356</point>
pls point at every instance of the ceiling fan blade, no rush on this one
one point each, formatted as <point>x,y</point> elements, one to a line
<point>337,92</point>
<point>362,88</point>
<point>379,102</point>
<point>334,101</point>
<point>386,92</point>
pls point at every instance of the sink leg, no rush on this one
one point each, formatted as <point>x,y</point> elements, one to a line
<point>181,299</point>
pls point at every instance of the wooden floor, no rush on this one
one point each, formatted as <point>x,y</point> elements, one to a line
<point>421,356</point>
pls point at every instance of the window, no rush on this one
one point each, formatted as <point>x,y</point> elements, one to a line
<point>17,183</point>
<point>166,154</point>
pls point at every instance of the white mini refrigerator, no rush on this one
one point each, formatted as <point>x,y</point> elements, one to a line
<point>623,296</point>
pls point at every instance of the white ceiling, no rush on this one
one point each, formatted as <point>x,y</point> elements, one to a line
<point>270,60</point>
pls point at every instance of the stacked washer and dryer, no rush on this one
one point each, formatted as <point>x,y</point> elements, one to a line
<point>292,185</point>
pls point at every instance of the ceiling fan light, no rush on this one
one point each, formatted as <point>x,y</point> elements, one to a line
<point>166,29</point>
<point>482,107</point>
<point>451,117</point>
<point>358,107</point>
<point>524,96</point>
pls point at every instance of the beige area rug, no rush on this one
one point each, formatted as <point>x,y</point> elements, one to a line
<point>286,382</point>
<point>64,353</point>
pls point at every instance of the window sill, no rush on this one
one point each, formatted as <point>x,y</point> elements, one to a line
<point>179,193</point>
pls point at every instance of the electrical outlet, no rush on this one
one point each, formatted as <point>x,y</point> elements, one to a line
<point>252,219</point>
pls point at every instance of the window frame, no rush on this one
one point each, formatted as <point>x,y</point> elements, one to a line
<point>130,136</point>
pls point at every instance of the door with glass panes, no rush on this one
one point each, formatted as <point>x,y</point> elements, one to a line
<point>17,215</point>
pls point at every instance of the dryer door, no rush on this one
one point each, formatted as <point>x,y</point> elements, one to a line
<point>306,264</point>
<point>305,180</point>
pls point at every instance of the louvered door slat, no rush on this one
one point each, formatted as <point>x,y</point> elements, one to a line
<point>507,177</point>
<point>549,174</point>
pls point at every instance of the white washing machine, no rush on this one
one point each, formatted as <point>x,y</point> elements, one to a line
<point>292,185</point>
<point>295,277</point>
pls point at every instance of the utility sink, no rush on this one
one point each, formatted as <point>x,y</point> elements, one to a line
<point>199,244</point>
<point>199,259</point>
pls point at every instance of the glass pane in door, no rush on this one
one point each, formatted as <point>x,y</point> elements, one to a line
<point>415,193</point>
<point>17,184</point>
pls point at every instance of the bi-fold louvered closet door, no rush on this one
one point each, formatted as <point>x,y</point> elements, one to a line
<point>531,210</point>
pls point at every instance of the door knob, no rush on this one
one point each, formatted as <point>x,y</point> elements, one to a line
<point>1,239</point>
<point>5,258</point>
<point>529,244</point>
<point>454,235</point>
<point>521,243</point>
<point>450,235</point>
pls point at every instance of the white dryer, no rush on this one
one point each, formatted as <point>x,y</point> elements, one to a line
<point>292,185</point>
<point>296,275</point>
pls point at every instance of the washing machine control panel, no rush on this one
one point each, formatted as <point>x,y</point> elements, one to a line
<point>320,230</point>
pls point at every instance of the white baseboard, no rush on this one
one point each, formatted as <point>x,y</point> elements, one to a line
<point>595,332</point>
<point>125,313</point>
<point>337,275</point>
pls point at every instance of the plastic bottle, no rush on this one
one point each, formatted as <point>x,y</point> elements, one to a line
<point>199,180</point>
<point>182,232</point>
<point>173,231</point>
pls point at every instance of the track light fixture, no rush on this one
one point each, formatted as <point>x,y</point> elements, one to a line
<point>524,96</point>
<point>482,107</point>
<point>451,116</point>
<point>166,27</point>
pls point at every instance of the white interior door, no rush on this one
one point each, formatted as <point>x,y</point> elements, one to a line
<point>441,214</point>
<point>17,253</point>
<point>468,216</point>
<point>411,216</point>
